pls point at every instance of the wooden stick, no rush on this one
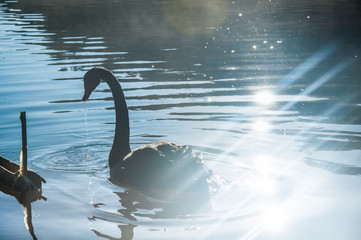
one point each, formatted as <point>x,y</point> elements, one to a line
<point>24,150</point>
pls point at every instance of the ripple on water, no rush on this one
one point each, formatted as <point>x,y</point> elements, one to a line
<point>84,158</point>
<point>124,205</point>
<point>129,209</point>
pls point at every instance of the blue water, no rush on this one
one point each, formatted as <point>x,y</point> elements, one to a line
<point>268,91</point>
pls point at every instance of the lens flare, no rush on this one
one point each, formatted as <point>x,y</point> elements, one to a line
<point>196,17</point>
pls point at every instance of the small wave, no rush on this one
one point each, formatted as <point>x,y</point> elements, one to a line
<point>85,158</point>
<point>130,207</point>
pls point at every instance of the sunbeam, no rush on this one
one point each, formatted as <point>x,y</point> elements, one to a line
<point>320,82</point>
<point>306,66</point>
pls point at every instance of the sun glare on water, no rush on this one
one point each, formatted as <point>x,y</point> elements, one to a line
<point>261,125</point>
<point>264,98</point>
<point>275,218</point>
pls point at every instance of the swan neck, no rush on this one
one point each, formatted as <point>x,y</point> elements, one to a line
<point>120,146</point>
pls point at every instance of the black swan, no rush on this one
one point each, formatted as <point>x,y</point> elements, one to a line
<point>160,165</point>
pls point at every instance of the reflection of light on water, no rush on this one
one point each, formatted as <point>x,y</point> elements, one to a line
<point>261,126</point>
<point>263,182</point>
<point>275,218</point>
<point>264,98</point>
<point>263,164</point>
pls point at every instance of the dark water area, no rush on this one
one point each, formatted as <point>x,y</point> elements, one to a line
<point>268,91</point>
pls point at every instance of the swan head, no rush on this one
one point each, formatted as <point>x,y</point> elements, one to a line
<point>91,81</point>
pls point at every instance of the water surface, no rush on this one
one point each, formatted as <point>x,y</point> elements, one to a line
<point>268,91</point>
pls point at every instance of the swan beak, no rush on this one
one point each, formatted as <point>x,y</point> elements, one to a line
<point>86,96</point>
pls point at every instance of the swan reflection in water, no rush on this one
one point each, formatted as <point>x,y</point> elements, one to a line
<point>137,206</point>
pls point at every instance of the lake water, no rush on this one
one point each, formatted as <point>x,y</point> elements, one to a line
<point>268,91</point>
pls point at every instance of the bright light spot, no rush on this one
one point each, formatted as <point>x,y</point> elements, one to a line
<point>271,47</point>
<point>262,185</point>
<point>279,41</point>
<point>308,17</point>
<point>263,165</point>
<point>264,98</point>
<point>265,42</point>
<point>275,218</point>
<point>240,14</point>
<point>254,47</point>
<point>232,51</point>
<point>209,99</point>
<point>261,126</point>
<point>263,182</point>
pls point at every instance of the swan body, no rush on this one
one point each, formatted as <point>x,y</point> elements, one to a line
<point>160,165</point>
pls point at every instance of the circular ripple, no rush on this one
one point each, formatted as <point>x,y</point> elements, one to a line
<point>86,158</point>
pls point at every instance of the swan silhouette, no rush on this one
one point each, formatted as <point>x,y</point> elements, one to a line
<point>160,165</point>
